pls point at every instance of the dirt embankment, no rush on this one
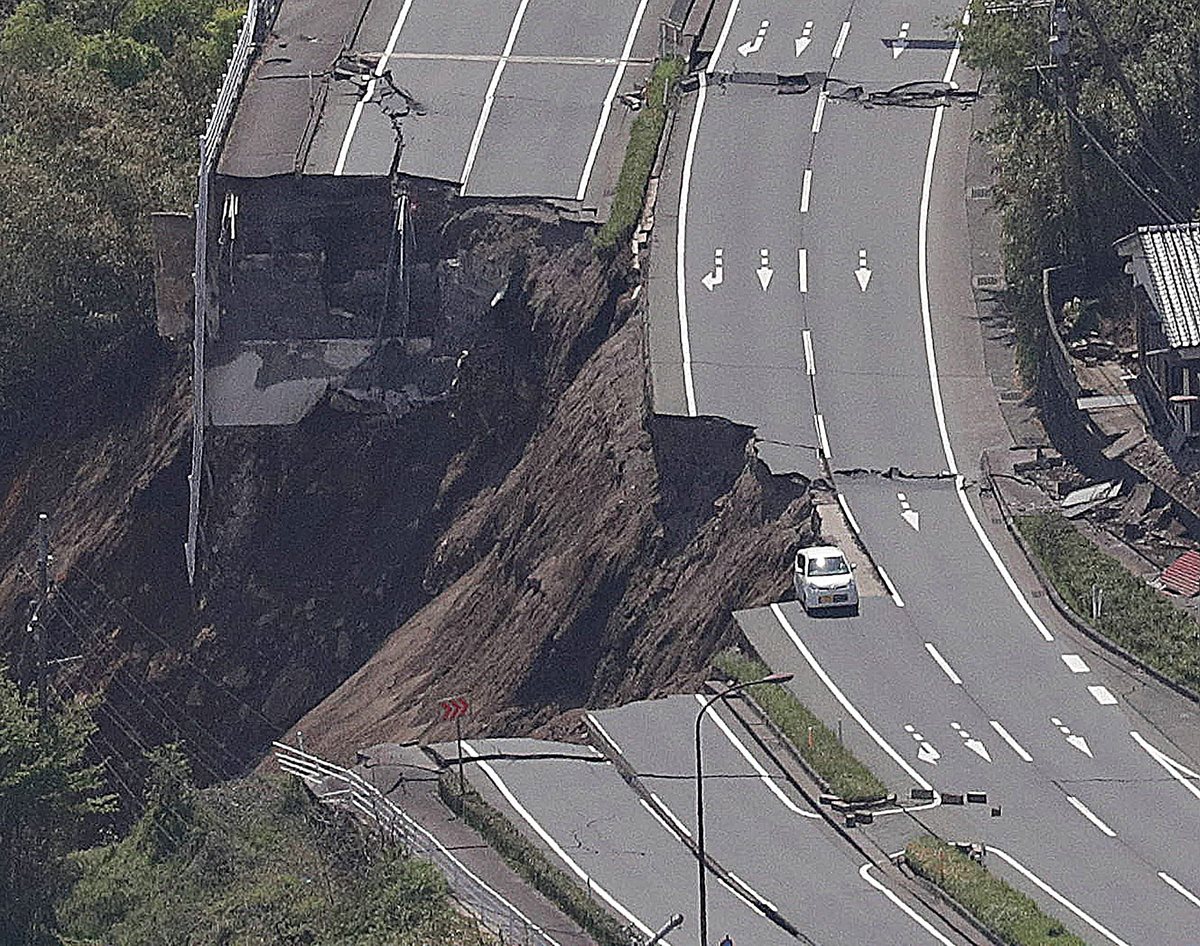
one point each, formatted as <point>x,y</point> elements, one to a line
<point>539,542</point>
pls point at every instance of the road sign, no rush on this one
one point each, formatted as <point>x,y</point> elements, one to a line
<point>454,707</point>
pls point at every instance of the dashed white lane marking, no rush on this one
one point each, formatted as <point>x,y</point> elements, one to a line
<point>841,40</point>
<point>339,166</point>
<point>1103,696</point>
<point>489,98</point>
<point>820,112</point>
<point>1012,743</point>
<point>751,891</point>
<point>754,764</point>
<point>1176,770</point>
<point>604,732</point>
<point>656,816</point>
<point>1178,887</point>
<point>549,841</point>
<point>809,365</point>
<point>841,698</point>
<point>606,108</point>
<point>865,873</point>
<point>820,422</point>
<point>806,190</point>
<point>887,580</point>
<point>1075,663</point>
<point>848,514</point>
<point>941,662</point>
<point>670,814</point>
<point>1090,815</point>
<point>802,270</point>
<point>1046,888</point>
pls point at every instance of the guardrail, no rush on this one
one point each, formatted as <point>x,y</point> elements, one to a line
<point>210,149</point>
<point>488,907</point>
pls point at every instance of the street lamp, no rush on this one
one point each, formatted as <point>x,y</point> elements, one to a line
<point>700,858</point>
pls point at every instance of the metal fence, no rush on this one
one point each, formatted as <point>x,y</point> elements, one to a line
<point>354,793</point>
<point>210,149</point>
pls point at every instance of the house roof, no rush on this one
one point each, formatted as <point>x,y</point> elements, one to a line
<point>1165,261</point>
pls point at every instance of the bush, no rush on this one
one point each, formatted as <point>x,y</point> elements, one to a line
<point>818,746</point>
<point>1134,616</point>
<point>1010,916</point>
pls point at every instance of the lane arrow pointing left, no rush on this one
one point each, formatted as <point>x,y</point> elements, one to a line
<point>717,276</point>
<point>764,270</point>
<point>754,45</point>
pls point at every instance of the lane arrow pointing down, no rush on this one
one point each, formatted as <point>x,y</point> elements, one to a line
<point>928,754</point>
<point>863,273</point>
<point>1081,744</point>
<point>978,748</point>
<point>764,271</point>
<point>913,518</point>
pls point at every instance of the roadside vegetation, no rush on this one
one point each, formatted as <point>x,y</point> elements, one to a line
<point>1007,915</point>
<point>816,743</point>
<point>1133,616</point>
<point>1062,183</point>
<point>529,862</point>
<point>640,153</point>
<point>103,103</point>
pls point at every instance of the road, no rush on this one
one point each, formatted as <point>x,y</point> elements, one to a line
<point>826,329</point>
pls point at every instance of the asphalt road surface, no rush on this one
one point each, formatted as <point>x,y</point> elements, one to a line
<point>802,255</point>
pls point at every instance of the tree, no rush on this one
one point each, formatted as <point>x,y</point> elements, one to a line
<point>49,799</point>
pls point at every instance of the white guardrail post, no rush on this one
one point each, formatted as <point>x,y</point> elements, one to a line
<point>210,149</point>
<point>480,900</point>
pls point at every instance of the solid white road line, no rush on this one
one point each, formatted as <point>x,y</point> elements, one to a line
<point>554,846</point>
<point>1103,695</point>
<point>751,891</point>
<point>754,763</point>
<point>490,98</point>
<point>841,40</point>
<point>657,817</point>
<point>841,698</point>
<point>1012,743</point>
<point>1179,772</point>
<point>380,67</point>
<point>891,587</point>
<point>1178,887</point>
<point>670,814</point>
<point>820,112</point>
<point>604,732</point>
<point>806,190</point>
<point>802,270</point>
<point>1090,815</point>
<point>606,109</point>
<point>941,662</point>
<point>809,365</point>
<point>1046,888</point>
<point>1075,663</point>
<point>865,873</point>
<point>848,514</point>
<point>721,40</point>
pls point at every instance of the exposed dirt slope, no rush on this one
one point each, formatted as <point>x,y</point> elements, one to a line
<point>539,542</point>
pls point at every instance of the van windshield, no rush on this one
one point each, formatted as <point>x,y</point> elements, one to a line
<point>831,565</point>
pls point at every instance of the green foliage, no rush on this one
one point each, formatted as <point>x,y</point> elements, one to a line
<point>265,863</point>
<point>124,60</point>
<point>1011,917</point>
<point>48,797</point>
<point>1134,616</point>
<point>529,862</point>
<point>639,154</point>
<point>818,746</point>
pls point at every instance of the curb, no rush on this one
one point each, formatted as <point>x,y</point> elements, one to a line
<point>1065,609</point>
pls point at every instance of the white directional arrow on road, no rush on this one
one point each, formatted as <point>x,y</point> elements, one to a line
<point>764,270</point>
<point>910,515</point>
<point>1077,741</point>
<point>973,744</point>
<point>901,41</point>
<point>717,276</point>
<point>928,754</point>
<point>804,39</point>
<point>754,45</point>
<point>862,274</point>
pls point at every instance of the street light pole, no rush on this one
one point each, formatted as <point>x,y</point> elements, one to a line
<point>700,855</point>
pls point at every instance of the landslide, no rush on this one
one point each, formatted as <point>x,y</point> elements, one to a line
<point>539,542</point>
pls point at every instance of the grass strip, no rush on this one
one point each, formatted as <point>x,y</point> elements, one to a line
<point>1134,616</point>
<point>1009,915</point>
<point>639,154</point>
<point>529,862</point>
<point>817,744</point>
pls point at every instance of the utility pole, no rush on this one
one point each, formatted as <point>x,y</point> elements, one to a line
<point>37,621</point>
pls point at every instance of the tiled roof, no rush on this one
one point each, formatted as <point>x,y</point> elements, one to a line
<point>1165,261</point>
